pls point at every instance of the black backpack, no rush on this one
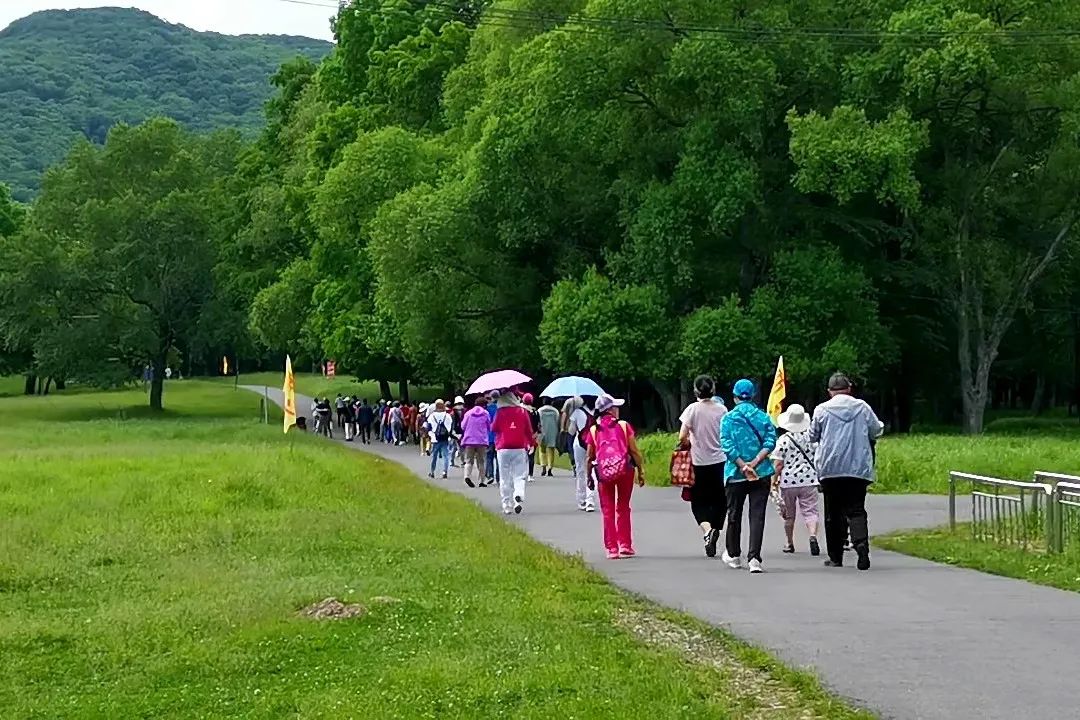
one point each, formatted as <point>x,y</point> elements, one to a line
<point>442,434</point>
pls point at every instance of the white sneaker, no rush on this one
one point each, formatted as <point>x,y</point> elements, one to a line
<point>531,479</point>
<point>590,507</point>
<point>732,562</point>
<point>508,510</point>
<point>755,566</point>
<point>582,506</point>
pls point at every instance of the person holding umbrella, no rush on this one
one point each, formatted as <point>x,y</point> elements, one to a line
<point>514,438</point>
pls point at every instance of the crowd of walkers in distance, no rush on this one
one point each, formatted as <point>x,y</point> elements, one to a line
<point>738,456</point>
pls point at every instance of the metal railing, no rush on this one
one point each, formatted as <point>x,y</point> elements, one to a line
<point>1064,530</point>
<point>1007,512</point>
<point>1040,515</point>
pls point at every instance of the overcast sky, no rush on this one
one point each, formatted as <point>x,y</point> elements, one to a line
<point>233,17</point>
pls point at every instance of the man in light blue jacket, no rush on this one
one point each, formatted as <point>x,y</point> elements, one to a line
<point>747,437</point>
<point>845,429</point>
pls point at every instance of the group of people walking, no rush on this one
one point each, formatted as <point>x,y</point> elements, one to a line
<point>739,458</point>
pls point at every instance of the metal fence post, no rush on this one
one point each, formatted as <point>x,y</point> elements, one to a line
<point>952,503</point>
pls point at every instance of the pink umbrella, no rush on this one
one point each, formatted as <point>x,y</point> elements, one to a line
<point>497,380</point>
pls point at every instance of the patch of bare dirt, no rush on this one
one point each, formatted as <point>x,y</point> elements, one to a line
<point>757,689</point>
<point>333,609</point>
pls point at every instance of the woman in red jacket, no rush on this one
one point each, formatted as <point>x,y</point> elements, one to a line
<point>513,440</point>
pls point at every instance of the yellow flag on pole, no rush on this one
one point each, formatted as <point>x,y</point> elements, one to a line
<point>778,392</point>
<point>289,391</point>
<point>224,365</point>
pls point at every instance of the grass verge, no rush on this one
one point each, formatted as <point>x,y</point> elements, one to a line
<point>957,548</point>
<point>317,385</point>
<point>159,567</point>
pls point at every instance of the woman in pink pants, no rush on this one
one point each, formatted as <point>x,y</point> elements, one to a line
<point>614,493</point>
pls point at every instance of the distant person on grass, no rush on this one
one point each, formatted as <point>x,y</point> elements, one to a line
<point>549,435</point>
<point>701,431</point>
<point>439,428</point>
<point>614,459</point>
<point>513,440</point>
<point>845,429</point>
<point>747,437</point>
<point>475,426</point>
<point>796,476</point>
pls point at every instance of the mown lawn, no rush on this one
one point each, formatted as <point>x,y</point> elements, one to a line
<point>316,385</point>
<point>957,548</point>
<point>155,567</point>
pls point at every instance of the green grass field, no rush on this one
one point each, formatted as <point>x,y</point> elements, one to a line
<point>957,548</point>
<point>316,385</point>
<point>154,567</point>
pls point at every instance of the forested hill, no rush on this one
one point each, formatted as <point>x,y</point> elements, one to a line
<point>66,74</point>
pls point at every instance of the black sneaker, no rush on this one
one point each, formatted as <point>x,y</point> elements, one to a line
<point>815,549</point>
<point>431,475</point>
<point>444,476</point>
<point>833,563</point>
<point>470,483</point>
<point>517,507</point>
<point>863,552</point>
<point>483,484</point>
<point>518,500</point>
<point>710,542</point>
<point>789,549</point>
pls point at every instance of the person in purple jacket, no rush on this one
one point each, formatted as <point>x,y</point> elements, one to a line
<point>475,427</point>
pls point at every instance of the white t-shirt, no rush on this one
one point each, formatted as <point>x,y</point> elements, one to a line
<point>703,419</point>
<point>798,470</point>
<point>439,417</point>
<point>578,420</point>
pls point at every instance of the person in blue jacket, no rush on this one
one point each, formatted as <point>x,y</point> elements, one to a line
<point>747,437</point>
<point>491,469</point>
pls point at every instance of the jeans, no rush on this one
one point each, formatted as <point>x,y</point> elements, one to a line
<point>441,448</point>
<point>737,493</point>
<point>615,509</point>
<point>491,467</point>
<point>365,433</point>
<point>845,508</point>
<point>708,500</point>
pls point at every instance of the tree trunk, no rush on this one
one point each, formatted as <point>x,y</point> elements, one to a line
<point>157,385</point>
<point>1038,400</point>
<point>669,399</point>
<point>403,391</point>
<point>384,390</point>
<point>61,384</point>
<point>30,385</point>
<point>48,384</point>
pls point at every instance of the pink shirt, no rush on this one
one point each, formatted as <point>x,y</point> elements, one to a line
<point>513,429</point>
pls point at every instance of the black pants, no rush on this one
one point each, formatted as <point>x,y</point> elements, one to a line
<point>708,501</point>
<point>365,433</point>
<point>845,509</point>
<point>737,493</point>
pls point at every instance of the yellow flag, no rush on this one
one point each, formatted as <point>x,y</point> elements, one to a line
<point>778,392</point>
<point>224,366</point>
<point>289,391</point>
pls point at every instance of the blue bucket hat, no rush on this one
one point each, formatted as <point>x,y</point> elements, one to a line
<point>744,390</point>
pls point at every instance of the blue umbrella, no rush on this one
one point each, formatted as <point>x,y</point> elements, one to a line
<point>570,386</point>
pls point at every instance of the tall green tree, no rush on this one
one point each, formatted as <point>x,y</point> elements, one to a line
<point>135,222</point>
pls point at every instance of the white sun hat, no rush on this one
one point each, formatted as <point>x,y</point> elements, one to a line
<point>794,419</point>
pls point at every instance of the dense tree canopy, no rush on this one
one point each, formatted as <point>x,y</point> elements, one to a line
<point>649,189</point>
<point>74,74</point>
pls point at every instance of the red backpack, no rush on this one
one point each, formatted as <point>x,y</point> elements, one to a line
<point>611,441</point>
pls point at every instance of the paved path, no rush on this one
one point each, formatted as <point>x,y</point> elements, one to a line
<point>908,639</point>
